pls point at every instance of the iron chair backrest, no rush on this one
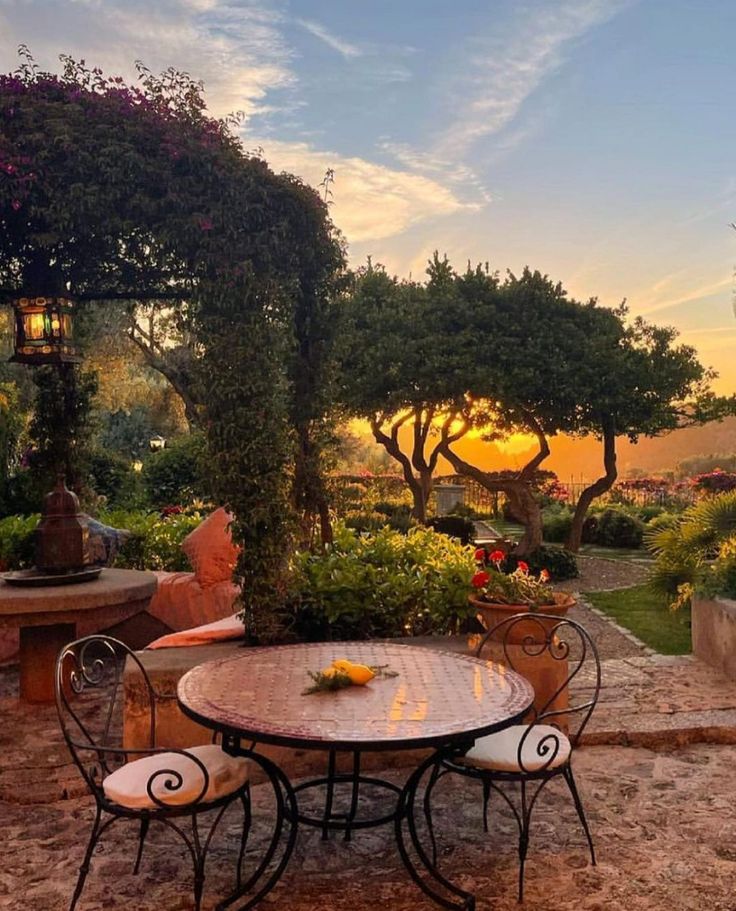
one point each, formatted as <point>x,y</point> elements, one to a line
<point>96,663</point>
<point>539,634</point>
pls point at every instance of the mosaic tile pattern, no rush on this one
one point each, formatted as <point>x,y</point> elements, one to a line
<point>436,697</point>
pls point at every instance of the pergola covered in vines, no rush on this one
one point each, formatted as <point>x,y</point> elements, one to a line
<point>113,192</point>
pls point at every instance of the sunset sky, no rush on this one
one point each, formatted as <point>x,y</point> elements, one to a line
<point>592,139</point>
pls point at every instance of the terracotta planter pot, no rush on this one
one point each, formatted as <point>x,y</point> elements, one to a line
<point>490,614</point>
<point>547,674</point>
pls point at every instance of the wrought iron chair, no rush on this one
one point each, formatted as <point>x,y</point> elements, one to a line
<point>533,753</point>
<point>147,785</point>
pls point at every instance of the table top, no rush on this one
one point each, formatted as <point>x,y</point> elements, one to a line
<point>438,697</point>
<point>112,587</point>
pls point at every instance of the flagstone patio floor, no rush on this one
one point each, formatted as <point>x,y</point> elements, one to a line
<point>657,777</point>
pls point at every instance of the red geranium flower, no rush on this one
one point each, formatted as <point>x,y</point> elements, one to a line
<point>498,556</point>
<point>524,567</point>
<point>480,579</point>
<point>544,575</point>
<point>480,555</point>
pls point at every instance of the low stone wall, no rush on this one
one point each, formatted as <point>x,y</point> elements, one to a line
<point>714,633</point>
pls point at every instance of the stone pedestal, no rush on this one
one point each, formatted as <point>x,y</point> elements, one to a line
<point>39,646</point>
<point>448,497</point>
<point>50,617</point>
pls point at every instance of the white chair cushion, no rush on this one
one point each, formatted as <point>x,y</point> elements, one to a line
<point>127,785</point>
<point>500,752</point>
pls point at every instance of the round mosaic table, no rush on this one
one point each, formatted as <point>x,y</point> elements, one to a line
<point>437,699</point>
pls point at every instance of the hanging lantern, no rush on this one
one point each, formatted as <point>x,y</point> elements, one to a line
<point>44,331</point>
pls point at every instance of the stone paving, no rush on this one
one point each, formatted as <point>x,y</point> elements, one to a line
<point>657,777</point>
<point>663,824</point>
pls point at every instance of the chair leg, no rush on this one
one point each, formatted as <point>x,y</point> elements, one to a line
<point>579,807</point>
<point>198,857</point>
<point>84,869</point>
<point>486,798</point>
<point>523,838</point>
<point>145,821</point>
<point>245,800</point>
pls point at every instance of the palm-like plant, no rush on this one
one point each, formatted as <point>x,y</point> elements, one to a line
<point>685,547</point>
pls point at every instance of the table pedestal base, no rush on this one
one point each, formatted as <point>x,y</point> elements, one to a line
<point>421,868</point>
<point>39,646</point>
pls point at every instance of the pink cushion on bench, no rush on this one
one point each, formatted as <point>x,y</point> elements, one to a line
<point>220,631</point>
<point>210,549</point>
<point>182,603</point>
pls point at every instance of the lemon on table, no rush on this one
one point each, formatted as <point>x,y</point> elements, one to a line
<point>360,674</point>
<point>343,665</point>
<point>331,671</point>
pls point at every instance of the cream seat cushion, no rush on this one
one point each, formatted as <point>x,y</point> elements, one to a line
<point>500,752</point>
<point>127,785</point>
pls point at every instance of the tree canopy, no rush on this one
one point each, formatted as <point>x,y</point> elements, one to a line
<point>518,355</point>
<point>113,191</point>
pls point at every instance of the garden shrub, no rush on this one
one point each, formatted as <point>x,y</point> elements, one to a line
<point>719,579</point>
<point>392,508</point>
<point>155,541</point>
<point>648,513</point>
<point>467,512</point>
<point>685,547</point>
<point>454,526</point>
<point>373,521</point>
<point>556,523</point>
<point>613,528</point>
<point>383,584</point>
<point>560,564</point>
<point>17,541</point>
<point>113,477</point>
<point>177,474</point>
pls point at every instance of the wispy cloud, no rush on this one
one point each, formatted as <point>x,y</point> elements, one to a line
<point>702,292</point>
<point>343,47</point>
<point>503,70</point>
<point>424,162</point>
<point>371,201</point>
<point>236,47</point>
<point>500,71</point>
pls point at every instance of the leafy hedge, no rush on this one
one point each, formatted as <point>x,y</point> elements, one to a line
<point>17,542</point>
<point>384,584</point>
<point>613,528</point>
<point>177,474</point>
<point>155,542</point>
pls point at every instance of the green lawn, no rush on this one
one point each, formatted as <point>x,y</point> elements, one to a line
<point>648,617</point>
<point>616,553</point>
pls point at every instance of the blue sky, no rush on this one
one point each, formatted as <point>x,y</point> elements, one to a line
<point>592,139</point>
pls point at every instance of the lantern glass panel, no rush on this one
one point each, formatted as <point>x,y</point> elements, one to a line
<point>34,326</point>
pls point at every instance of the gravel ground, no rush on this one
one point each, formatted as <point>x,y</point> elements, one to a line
<point>663,824</point>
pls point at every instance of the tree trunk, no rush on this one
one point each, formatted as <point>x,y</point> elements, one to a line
<point>517,491</point>
<point>523,505</point>
<point>180,383</point>
<point>527,511</point>
<point>599,487</point>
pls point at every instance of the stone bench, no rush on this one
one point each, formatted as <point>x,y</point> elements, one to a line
<point>166,666</point>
